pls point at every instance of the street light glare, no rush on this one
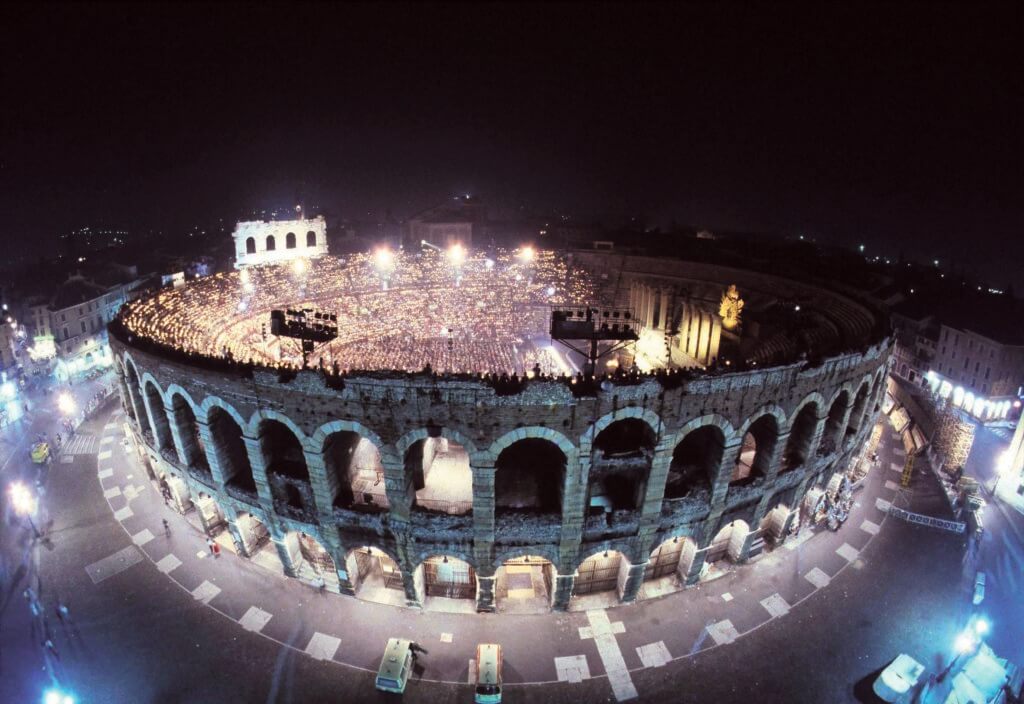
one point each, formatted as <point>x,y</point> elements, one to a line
<point>981,626</point>
<point>22,500</point>
<point>527,253</point>
<point>299,266</point>
<point>964,643</point>
<point>457,254</point>
<point>384,257</point>
<point>66,404</point>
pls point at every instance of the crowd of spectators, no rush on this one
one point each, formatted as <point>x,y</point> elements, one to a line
<point>408,312</point>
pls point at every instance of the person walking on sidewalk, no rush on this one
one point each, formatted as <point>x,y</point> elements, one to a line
<point>210,544</point>
<point>167,528</point>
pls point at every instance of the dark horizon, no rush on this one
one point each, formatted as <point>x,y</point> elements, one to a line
<point>893,127</point>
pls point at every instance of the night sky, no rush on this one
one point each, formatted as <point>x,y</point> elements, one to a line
<point>899,128</point>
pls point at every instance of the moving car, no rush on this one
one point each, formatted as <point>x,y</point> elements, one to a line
<point>395,666</point>
<point>979,588</point>
<point>40,452</point>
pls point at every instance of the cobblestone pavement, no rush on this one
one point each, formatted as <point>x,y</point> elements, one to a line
<point>809,619</point>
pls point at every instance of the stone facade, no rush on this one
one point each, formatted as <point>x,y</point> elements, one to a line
<point>275,241</point>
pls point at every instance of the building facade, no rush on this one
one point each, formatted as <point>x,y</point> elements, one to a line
<point>275,241</point>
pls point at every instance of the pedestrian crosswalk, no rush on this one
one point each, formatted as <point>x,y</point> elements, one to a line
<point>81,444</point>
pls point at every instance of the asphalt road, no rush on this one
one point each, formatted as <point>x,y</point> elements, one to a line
<point>140,636</point>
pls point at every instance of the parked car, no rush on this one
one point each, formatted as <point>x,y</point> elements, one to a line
<point>979,588</point>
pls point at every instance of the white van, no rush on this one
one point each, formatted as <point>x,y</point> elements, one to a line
<point>395,666</point>
<point>488,674</point>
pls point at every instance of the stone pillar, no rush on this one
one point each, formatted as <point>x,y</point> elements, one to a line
<point>158,424</point>
<point>634,580</point>
<point>696,567</point>
<point>777,458</point>
<point>483,523</point>
<point>485,594</point>
<point>138,407</point>
<point>654,497</point>
<point>723,473</point>
<point>286,552</point>
<point>397,487</point>
<point>236,535</point>
<point>177,438</point>
<point>574,496</point>
<point>217,470</point>
<point>259,472</point>
<point>322,495</point>
<point>563,591</point>
<point>815,441</point>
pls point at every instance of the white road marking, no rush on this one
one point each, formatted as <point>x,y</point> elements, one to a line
<point>847,552</point>
<point>882,505</point>
<point>727,597</point>
<point>654,654</point>
<point>205,592</point>
<point>896,466</point>
<point>124,513</point>
<point>111,493</point>
<point>775,605</point>
<point>869,527</point>
<point>891,485</point>
<point>142,537</point>
<point>168,563</point>
<point>113,564</point>
<point>572,668</point>
<point>723,632</point>
<point>105,473</point>
<point>254,619</point>
<point>106,440</point>
<point>603,631</point>
<point>818,578</point>
<point>447,637</point>
<point>322,646</point>
<point>105,455</point>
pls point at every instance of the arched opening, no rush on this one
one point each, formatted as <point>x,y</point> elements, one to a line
<point>289,241</point>
<point>800,437</point>
<point>603,572</point>
<point>175,492</point>
<point>695,462</point>
<point>271,243</point>
<point>375,576</point>
<point>160,427</point>
<point>441,475</point>
<point>256,541</point>
<point>524,585</point>
<point>860,403</point>
<point>754,459</point>
<point>230,453</point>
<point>446,577</point>
<point>831,438</point>
<point>314,565</point>
<point>311,239</point>
<point>354,472</point>
<point>211,516</point>
<point>529,476</point>
<point>619,467</point>
<point>668,567</point>
<point>287,473</point>
<point>138,411</point>
<point>188,432</point>
<point>774,524</point>
<point>250,245</point>
<point>728,542</point>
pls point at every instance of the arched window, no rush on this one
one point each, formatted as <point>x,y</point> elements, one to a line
<point>250,245</point>
<point>311,239</point>
<point>289,241</point>
<point>271,245</point>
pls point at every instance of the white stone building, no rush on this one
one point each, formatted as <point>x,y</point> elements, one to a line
<point>276,241</point>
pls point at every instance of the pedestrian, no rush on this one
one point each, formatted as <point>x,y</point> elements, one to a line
<point>48,644</point>
<point>210,544</point>
<point>63,614</point>
<point>167,527</point>
<point>216,549</point>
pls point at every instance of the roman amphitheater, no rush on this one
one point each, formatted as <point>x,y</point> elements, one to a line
<point>442,451</point>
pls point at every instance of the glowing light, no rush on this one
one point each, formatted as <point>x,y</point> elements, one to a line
<point>981,626</point>
<point>457,254</point>
<point>7,391</point>
<point>489,263</point>
<point>945,389</point>
<point>527,254</point>
<point>551,290</point>
<point>243,276</point>
<point>964,643</point>
<point>958,396</point>
<point>22,500</point>
<point>384,258</point>
<point>299,266</point>
<point>66,404</point>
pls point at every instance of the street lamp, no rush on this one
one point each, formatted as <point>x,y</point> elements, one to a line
<point>66,404</point>
<point>457,254</point>
<point>24,503</point>
<point>967,642</point>
<point>56,696</point>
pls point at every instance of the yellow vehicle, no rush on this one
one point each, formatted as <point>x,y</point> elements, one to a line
<point>40,452</point>
<point>395,666</point>
<point>488,674</point>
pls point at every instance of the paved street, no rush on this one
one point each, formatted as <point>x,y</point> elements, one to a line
<point>163,610</point>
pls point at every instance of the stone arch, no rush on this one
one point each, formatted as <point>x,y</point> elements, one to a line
<point>134,388</point>
<point>311,239</point>
<point>672,556</point>
<point>859,410</point>
<point>289,241</point>
<point>760,436</point>
<point>835,422</point>
<point>532,431</point>
<point>803,427</point>
<point>181,411</point>
<point>548,552</point>
<point>728,541</point>
<point>697,459</point>
<point>722,423</point>
<point>643,414</point>
<point>530,475</point>
<point>250,245</point>
<point>439,574</point>
<point>211,402</point>
<point>271,243</point>
<point>154,399</point>
<point>353,469</point>
<point>227,450</point>
<point>266,414</point>
<point>603,570</point>
<point>436,469</point>
<point>371,565</point>
<point>281,448</point>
